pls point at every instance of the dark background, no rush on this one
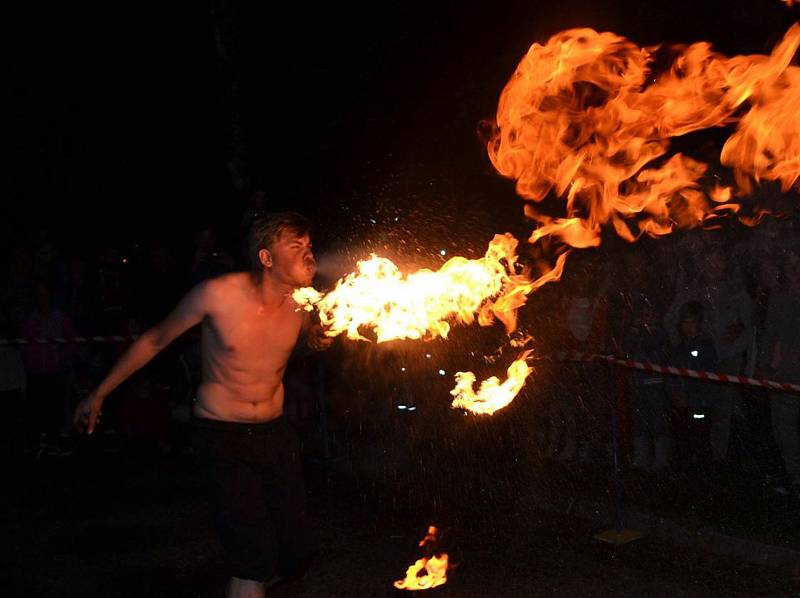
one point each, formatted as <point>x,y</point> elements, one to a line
<point>124,119</point>
<point>126,123</point>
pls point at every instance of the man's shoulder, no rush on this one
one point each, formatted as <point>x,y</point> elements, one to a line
<point>222,288</point>
<point>230,282</point>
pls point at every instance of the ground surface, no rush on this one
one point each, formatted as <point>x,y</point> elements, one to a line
<point>115,525</point>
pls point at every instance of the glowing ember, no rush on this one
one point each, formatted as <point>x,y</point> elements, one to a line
<point>428,572</point>
<point>585,117</point>
<point>422,304</point>
<point>492,395</point>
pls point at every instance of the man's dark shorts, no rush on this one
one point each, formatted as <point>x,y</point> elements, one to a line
<point>255,479</point>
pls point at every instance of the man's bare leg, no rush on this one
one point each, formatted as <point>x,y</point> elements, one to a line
<point>244,588</point>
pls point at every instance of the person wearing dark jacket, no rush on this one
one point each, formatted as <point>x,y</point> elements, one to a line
<point>647,341</point>
<point>697,399</point>
<point>782,357</point>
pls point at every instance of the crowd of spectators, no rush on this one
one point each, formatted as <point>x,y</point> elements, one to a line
<point>721,301</point>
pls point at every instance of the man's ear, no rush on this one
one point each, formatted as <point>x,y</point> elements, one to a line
<point>265,257</point>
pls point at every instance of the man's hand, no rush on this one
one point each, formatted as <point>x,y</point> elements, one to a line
<point>317,339</point>
<point>88,413</point>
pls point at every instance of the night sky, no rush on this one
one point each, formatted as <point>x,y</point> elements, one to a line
<point>121,116</point>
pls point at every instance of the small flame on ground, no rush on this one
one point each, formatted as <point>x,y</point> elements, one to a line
<point>427,572</point>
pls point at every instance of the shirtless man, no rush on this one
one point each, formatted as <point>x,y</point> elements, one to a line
<point>243,443</point>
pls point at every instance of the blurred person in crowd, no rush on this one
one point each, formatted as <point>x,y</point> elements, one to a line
<point>111,292</point>
<point>165,276</point>
<point>782,363</point>
<point>697,402</point>
<point>765,261</point>
<point>12,388</point>
<point>728,311</point>
<point>577,416</point>
<point>17,293</point>
<point>83,297</point>
<point>47,365</point>
<point>762,256</point>
<point>647,341</point>
<point>135,276</point>
<point>646,270</point>
<point>244,445</point>
<point>49,266</point>
<point>160,271</point>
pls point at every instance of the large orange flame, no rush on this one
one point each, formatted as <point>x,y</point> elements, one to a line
<point>434,568</point>
<point>585,118</point>
<point>424,303</point>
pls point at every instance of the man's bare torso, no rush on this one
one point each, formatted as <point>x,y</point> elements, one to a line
<point>245,348</point>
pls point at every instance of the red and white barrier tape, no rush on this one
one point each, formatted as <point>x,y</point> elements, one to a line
<point>676,371</point>
<point>573,356</point>
<point>59,340</point>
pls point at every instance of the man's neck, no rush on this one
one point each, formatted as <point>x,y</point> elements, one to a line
<point>272,293</point>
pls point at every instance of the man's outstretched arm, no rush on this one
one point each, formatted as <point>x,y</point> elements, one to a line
<point>189,312</point>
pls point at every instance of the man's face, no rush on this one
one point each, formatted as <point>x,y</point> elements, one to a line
<point>292,259</point>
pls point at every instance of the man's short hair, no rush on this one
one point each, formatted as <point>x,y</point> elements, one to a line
<point>268,228</point>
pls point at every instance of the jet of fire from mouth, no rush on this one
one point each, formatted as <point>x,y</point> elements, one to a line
<point>585,117</point>
<point>423,304</point>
